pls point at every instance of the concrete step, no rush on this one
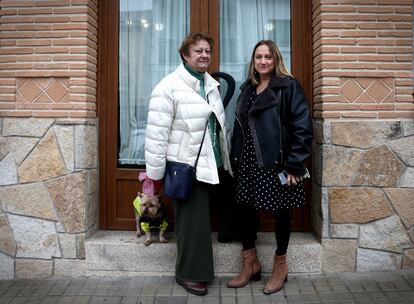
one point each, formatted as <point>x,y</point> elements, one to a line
<point>122,253</point>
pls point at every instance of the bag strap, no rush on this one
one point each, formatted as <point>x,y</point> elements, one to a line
<point>201,145</point>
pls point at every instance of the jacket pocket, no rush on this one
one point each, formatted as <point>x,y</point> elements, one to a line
<point>183,148</point>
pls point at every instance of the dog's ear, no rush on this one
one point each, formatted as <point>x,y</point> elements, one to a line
<point>140,194</point>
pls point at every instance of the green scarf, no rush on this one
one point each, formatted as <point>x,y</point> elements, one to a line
<point>212,120</point>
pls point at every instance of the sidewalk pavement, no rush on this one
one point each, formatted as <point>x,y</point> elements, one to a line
<point>366,287</point>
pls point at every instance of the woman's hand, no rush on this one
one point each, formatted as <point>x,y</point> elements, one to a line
<point>293,179</point>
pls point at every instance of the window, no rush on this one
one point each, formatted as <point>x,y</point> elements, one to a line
<point>150,33</point>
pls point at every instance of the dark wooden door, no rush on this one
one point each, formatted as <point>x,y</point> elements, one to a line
<point>119,185</point>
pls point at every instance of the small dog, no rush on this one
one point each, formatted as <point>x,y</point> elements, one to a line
<point>150,213</point>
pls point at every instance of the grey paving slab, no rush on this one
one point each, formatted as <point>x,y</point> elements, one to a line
<point>245,299</point>
<point>105,300</point>
<point>228,292</point>
<point>138,300</point>
<point>382,287</point>
<point>74,300</point>
<point>19,300</point>
<point>228,300</point>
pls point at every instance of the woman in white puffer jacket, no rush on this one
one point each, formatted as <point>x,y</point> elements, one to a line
<point>181,105</point>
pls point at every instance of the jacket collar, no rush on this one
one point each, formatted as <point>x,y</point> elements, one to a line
<point>209,82</point>
<point>275,82</point>
<point>266,99</point>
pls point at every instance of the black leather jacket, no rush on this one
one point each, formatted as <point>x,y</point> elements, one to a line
<point>280,123</point>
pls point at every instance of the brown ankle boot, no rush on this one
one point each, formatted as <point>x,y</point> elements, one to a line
<point>250,269</point>
<point>279,275</point>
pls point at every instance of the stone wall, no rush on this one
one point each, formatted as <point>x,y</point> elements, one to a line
<point>363,157</point>
<point>364,181</point>
<point>48,136</point>
<point>48,196</point>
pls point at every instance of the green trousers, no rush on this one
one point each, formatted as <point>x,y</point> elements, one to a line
<point>193,233</point>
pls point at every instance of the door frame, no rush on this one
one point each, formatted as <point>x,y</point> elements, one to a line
<point>205,13</point>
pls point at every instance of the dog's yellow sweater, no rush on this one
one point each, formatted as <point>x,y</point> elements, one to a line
<point>148,223</point>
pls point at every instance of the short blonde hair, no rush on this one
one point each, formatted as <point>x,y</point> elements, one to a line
<point>280,68</point>
<point>191,39</point>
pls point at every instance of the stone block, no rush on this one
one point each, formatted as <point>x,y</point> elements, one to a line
<point>375,260</point>
<point>358,205</point>
<point>317,164</point>
<point>339,165</point>
<point>338,255</point>
<point>386,234</point>
<point>403,202</point>
<point>86,147</point>
<point>408,127</point>
<point>33,269</point>
<point>44,162</point>
<point>401,148</point>
<point>365,134</point>
<point>119,251</point>
<point>407,179</point>
<point>80,245</point>
<point>69,195</point>
<point>325,212</point>
<point>92,210</point>
<point>319,211</point>
<point>64,135</point>
<point>379,167</point>
<point>30,127</point>
<point>316,210</point>
<point>68,245</point>
<point>21,147</point>
<point>7,267</point>
<point>408,259</point>
<point>7,243</point>
<point>344,231</point>
<point>34,238</point>
<point>28,199</point>
<point>411,233</point>
<point>91,181</point>
<point>4,148</point>
<point>69,268</point>
<point>322,132</point>
<point>8,170</point>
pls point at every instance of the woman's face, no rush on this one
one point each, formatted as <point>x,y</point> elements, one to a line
<point>198,57</point>
<point>264,64</point>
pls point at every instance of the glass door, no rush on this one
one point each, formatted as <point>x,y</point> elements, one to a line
<point>138,46</point>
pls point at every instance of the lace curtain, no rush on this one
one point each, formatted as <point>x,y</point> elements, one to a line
<point>242,24</point>
<point>150,33</point>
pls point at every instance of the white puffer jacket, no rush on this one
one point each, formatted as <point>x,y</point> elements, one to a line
<point>177,117</point>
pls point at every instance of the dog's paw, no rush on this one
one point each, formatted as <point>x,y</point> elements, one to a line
<point>163,240</point>
<point>147,242</point>
<point>139,233</point>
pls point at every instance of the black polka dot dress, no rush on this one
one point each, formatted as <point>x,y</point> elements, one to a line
<point>261,186</point>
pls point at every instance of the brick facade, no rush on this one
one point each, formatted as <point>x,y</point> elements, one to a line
<point>48,136</point>
<point>48,58</point>
<point>363,59</point>
<point>363,191</point>
<point>363,160</point>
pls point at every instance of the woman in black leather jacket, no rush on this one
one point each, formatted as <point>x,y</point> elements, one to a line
<point>272,137</point>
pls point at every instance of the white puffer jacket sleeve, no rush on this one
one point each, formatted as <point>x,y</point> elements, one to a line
<point>159,121</point>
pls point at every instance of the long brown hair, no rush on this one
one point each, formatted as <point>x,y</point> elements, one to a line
<point>280,68</point>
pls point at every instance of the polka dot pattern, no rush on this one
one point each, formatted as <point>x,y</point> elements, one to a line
<point>261,186</point>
